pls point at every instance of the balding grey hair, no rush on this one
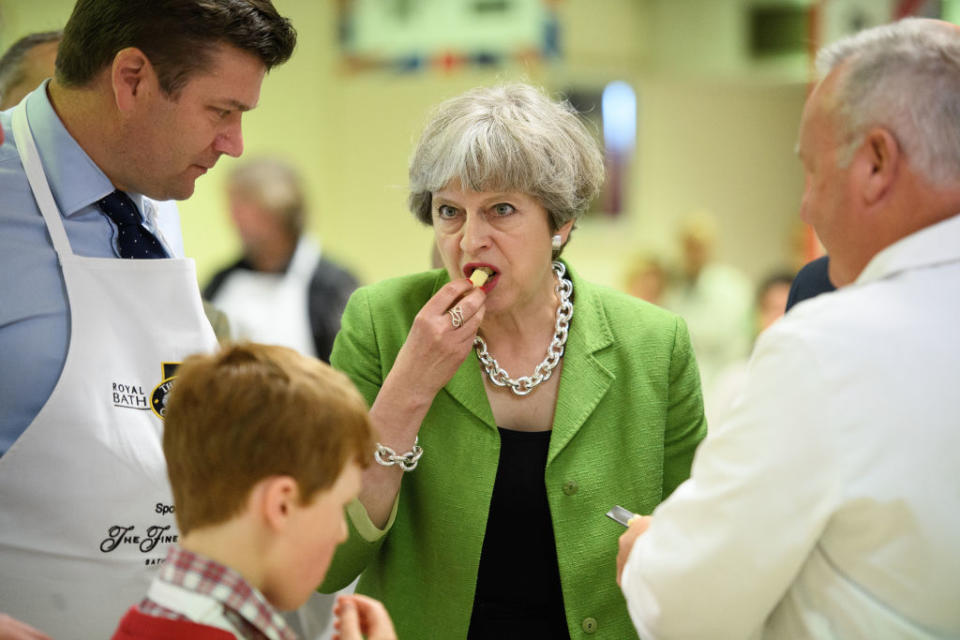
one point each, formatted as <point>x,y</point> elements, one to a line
<point>275,186</point>
<point>904,77</point>
<point>11,63</point>
<point>508,138</point>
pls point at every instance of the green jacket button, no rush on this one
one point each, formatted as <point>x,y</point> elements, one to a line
<point>570,487</point>
<point>589,625</point>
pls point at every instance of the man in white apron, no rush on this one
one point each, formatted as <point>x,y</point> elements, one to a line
<point>283,290</point>
<point>147,97</point>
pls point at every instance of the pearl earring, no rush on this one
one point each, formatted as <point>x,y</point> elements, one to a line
<point>556,242</point>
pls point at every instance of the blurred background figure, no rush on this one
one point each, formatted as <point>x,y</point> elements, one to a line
<point>28,62</point>
<point>811,266</point>
<point>771,302</point>
<point>772,299</point>
<point>715,299</point>
<point>802,246</point>
<point>281,291</point>
<point>812,280</point>
<point>646,278</point>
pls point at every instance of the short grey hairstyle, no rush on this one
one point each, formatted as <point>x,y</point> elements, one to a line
<point>905,77</point>
<point>275,186</point>
<point>11,63</point>
<point>508,138</point>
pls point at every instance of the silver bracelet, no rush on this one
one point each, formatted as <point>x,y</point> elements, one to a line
<point>387,457</point>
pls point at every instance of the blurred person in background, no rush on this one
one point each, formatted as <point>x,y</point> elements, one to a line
<point>514,414</point>
<point>812,280</point>
<point>826,506</point>
<point>715,299</point>
<point>772,299</point>
<point>646,278</point>
<point>770,305</point>
<point>25,64</point>
<point>97,304</point>
<point>282,290</point>
<point>812,277</point>
<point>28,62</point>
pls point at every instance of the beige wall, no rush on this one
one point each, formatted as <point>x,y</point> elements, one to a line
<point>724,144</point>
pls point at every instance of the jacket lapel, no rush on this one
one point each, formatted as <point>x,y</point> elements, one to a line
<point>584,379</point>
<point>466,387</point>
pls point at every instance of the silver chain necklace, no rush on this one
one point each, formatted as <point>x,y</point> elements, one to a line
<point>525,384</point>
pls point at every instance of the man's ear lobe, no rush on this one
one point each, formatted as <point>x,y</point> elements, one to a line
<point>129,75</point>
<point>881,158</point>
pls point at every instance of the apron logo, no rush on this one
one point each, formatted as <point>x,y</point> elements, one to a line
<point>158,399</point>
<point>127,535</point>
<point>131,396</point>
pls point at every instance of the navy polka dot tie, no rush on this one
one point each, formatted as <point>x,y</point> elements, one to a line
<point>133,239</point>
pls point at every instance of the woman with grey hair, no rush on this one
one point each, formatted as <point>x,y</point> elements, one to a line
<point>515,407</point>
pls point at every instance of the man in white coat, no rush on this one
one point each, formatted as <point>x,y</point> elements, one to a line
<point>827,505</point>
<point>147,95</point>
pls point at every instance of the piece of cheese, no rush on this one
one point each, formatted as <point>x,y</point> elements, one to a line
<point>479,276</point>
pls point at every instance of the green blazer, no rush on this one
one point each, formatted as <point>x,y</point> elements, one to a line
<point>629,416</point>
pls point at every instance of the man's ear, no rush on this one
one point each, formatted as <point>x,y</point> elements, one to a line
<point>878,163</point>
<point>131,75</point>
<point>280,496</point>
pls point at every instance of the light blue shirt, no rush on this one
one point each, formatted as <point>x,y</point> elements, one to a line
<point>34,311</point>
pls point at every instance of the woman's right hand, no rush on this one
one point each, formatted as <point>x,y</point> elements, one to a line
<point>435,348</point>
<point>358,617</point>
<point>432,353</point>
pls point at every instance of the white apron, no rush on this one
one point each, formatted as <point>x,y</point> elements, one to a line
<point>85,506</point>
<point>271,307</point>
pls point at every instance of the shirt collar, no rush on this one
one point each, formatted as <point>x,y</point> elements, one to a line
<point>195,572</point>
<point>75,180</point>
<point>937,244</point>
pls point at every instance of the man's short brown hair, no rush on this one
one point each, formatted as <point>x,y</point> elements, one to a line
<point>253,411</point>
<point>177,36</point>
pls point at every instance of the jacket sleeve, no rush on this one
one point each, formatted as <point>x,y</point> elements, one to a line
<point>355,350</point>
<point>357,354</point>
<point>725,548</point>
<point>686,424</point>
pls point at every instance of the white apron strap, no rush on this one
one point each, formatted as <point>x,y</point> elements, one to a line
<point>30,158</point>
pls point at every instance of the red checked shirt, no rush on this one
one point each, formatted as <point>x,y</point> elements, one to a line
<point>194,576</point>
